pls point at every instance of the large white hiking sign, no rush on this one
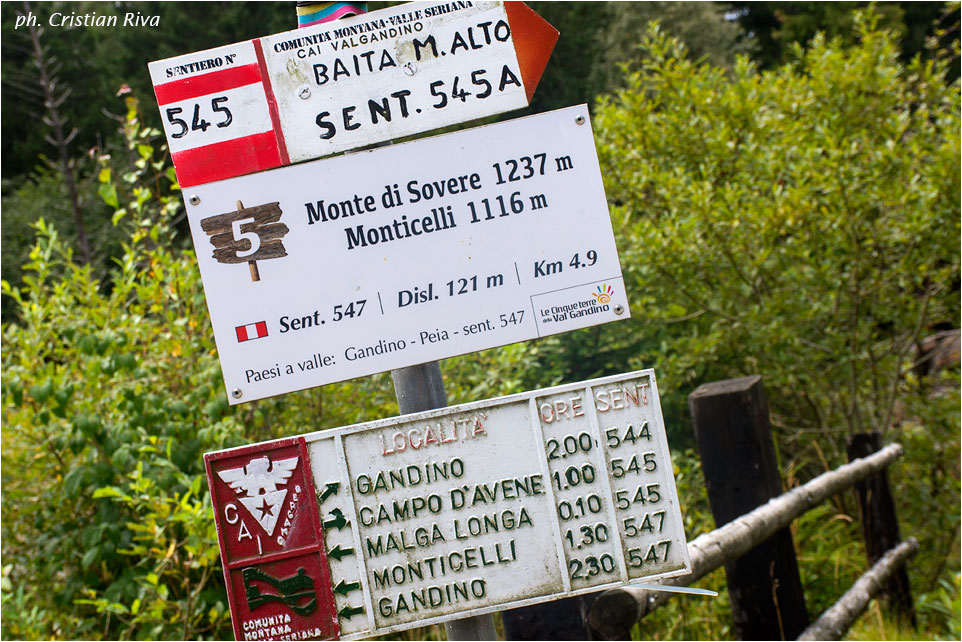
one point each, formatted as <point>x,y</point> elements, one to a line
<point>471,509</point>
<point>350,266</point>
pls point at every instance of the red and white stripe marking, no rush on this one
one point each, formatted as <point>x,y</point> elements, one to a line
<point>251,331</point>
<point>228,88</point>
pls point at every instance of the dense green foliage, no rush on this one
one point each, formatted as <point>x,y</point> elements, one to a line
<point>801,223</point>
<point>776,26</point>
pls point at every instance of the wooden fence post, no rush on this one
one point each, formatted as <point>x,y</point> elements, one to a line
<point>738,461</point>
<point>880,526</point>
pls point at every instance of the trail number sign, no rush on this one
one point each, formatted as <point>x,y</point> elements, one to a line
<point>406,254</point>
<point>320,90</point>
<point>449,513</point>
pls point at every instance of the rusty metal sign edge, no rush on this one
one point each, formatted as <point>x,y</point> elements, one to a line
<point>466,407</point>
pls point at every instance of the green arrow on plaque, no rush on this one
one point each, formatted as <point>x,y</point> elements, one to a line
<point>348,611</point>
<point>337,520</point>
<point>330,489</point>
<point>346,587</point>
<point>338,553</point>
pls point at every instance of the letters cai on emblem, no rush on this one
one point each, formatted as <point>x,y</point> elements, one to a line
<point>261,486</point>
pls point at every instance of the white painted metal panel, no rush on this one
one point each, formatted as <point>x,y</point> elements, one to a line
<point>407,254</point>
<point>498,504</point>
<point>390,74</point>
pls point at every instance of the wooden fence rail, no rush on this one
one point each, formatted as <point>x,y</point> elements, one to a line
<point>615,611</point>
<point>834,622</point>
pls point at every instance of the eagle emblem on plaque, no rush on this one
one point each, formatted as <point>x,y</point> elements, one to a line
<point>272,542</point>
<point>257,484</point>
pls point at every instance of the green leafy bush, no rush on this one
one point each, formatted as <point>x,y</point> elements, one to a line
<point>109,400</point>
<point>802,224</point>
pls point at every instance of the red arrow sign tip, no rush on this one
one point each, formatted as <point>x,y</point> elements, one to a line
<point>534,40</point>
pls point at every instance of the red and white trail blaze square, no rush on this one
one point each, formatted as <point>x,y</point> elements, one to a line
<point>251,331</point>
<point>217,115</point>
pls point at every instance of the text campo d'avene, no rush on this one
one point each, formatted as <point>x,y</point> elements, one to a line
<point>431,579</point>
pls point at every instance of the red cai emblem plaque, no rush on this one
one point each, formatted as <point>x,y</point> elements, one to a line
<point>272,542</point>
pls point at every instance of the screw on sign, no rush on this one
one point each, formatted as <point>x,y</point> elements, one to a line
<point>272,542</point>
<point>247,235</point>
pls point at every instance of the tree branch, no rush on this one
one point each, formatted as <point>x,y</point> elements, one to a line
<point>713,550</point>
<point>834,622</point>
<point>48,84</point>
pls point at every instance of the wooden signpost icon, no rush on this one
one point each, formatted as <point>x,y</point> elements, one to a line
<point>247,235</point>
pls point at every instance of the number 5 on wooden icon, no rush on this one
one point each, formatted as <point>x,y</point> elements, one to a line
<point>247,235</point>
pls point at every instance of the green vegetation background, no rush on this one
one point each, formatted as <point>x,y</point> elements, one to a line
<point>785,203</point>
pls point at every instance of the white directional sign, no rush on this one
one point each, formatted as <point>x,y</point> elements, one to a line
<point>367,262</point>
<point>333,87</point>
<point>460,511</point>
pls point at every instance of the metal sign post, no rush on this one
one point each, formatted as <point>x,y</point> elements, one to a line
<point>420,388</point>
